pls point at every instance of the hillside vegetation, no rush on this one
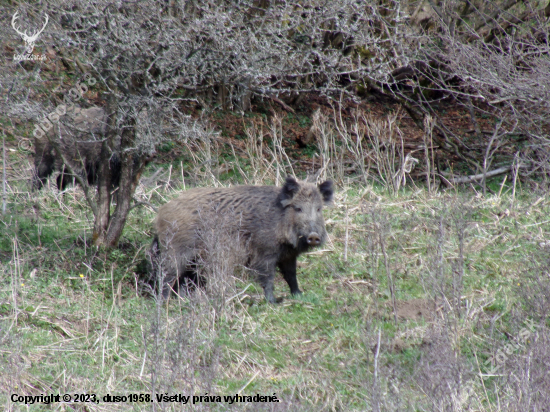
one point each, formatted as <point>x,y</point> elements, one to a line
<point>432,119</point>
<point>408,306</point>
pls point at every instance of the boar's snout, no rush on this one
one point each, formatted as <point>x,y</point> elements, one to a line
<point>314,239</point>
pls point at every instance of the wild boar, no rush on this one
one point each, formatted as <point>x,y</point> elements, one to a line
<point>80,142</point>
<point>278,225</point>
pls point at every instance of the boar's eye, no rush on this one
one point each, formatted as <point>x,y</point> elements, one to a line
<point>298,209</point>
<point>318,209</point>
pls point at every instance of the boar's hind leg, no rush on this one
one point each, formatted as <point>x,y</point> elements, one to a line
<point>268,291</point>
<point>288,269</point>
<point>266,275</point>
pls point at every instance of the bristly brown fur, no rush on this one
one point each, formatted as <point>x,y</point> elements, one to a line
<point>278,223</point>
<point>80,143</point>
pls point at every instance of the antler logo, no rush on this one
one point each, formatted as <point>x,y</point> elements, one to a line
<point>29,40</point>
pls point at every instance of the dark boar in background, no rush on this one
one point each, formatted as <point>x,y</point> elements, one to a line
<point>80,135</point>
<point>278,225</point>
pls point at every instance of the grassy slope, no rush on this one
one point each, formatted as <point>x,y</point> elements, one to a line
<point>72,320</point>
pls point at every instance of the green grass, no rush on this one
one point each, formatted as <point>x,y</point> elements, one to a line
<point>71,319</point>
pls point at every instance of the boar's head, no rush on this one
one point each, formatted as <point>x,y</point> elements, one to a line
<point>302,204</point>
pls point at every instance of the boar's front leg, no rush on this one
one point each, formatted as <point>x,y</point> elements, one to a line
<point>288,269</point>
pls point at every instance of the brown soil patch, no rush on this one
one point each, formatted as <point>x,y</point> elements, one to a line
<point>416,309</point>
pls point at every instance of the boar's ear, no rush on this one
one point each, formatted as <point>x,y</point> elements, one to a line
<point>326,191</point>
<point>288,191</point>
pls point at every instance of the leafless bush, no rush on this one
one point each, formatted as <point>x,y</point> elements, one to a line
<point>390,383</point>
<point>12,363</point>
<point>388,154</point>
<point>4,191</point>
<point>353,136</point>
<point>538,157</point>
<point>205,159</point>
<point>223,258</point>
<point>207,54</point>
<point>326,142</point>
<point>374,148</point>
<point>522,380</point>
<point>429,155</point>
<point>443,374</point>
<point>378,231</point>
<point>525,382</point>
<point>183,354</point>
<point>486,58</point>
<point>283,165</point>
<point>446,257</point>
<point>534,289</point>
<point>387,151</point>
<point>269,162</point>
<point>260,170</point>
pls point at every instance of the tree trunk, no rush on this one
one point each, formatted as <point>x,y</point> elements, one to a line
<point>132,165</point>
<point>102,215</point>
<point>128,182</point>
<point>124,197</point>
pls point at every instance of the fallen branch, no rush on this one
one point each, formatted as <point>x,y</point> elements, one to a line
<point>468,179</point>
<point>285,106</point>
